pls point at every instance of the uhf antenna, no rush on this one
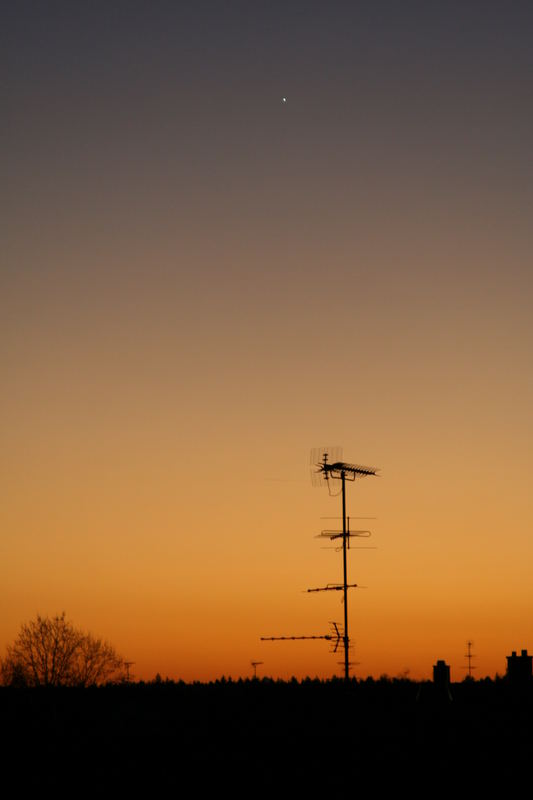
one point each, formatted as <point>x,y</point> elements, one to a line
<point>334,636</point>
<point>328,466</point>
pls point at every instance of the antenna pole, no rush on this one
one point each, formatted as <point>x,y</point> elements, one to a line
<point>346,638</point>
<point>469,656</point>
<point>255,664</point>
<point>342,471</point>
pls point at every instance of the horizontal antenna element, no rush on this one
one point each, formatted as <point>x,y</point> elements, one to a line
<point>340,534</point>
<point>350,471</point>
<point>329,464</point>
<point>293,638</point>
<point>333,587</point>
<point>335,636</point>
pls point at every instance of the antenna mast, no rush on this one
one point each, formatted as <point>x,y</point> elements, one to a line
<point>340,470</point>
<point>327,471</point>
<point>255,664</point>
<point>469,655</point>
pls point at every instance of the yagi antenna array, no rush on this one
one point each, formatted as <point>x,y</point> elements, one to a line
<point>327,465</point>
<point>334,587</point>
<point>331,454</point>
<point>345,534</point>
<point>335,636</point>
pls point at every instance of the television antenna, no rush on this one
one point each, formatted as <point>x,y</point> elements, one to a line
<point>255,664</point>
<point>329,466</point>
<point>335,636</point>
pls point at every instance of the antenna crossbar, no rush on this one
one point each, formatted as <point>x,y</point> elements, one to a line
<point>339,468</point>
<point>469,655</point>
<point>334,636</point>
<point>356,469</point>
<point>293,638</point>
<point>334,587</point>
<point>340,534</point>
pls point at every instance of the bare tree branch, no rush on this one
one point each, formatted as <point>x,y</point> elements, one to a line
<point>50,651</point>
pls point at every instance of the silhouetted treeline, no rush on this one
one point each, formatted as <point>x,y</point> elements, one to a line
<point>306,734</point>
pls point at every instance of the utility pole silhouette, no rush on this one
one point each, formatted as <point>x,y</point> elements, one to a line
<point>340,470</point>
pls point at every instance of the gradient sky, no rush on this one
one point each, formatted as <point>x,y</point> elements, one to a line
<point>200,282</point>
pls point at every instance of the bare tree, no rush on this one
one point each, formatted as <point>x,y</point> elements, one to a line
<point>95,662</point>
<point>50,651</point>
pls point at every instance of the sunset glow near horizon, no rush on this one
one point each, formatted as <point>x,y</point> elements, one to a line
<point>201,282</point>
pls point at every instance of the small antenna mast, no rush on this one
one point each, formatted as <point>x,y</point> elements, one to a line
<point>469,655</point>
<point>327,465</point>
<point>255,664</point>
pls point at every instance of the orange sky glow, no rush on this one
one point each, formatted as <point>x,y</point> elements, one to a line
<point>202,283</point>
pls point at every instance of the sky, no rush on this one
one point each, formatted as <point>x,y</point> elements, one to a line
<point>200,282</point>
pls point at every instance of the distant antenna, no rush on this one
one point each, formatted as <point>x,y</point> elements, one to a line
<point>255,664</point>
<point>128,664</point>
<point>469,655</point>
<point>328,466</point>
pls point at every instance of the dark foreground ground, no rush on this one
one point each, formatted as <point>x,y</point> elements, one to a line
<point>259,736</point>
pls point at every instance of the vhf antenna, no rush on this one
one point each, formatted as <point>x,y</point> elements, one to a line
<point>325,471</point>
